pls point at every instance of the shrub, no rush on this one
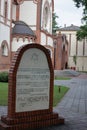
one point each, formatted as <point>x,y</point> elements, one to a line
<point>3,76</point>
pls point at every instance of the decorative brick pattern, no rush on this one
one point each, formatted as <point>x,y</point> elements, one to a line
<point>32,119</point>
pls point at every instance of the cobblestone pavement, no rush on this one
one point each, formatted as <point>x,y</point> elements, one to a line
<point>73,106</point>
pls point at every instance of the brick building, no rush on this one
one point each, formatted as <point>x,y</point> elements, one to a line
<point>77,49</point>
<point>27,22</point>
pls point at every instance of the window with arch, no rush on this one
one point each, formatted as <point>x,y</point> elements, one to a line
<point>0,6</point>
<point>4,48</point>
<point>5,10</point>
<point>46,14</point>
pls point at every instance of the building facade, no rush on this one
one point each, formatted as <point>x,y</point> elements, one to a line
<point>26,22</point>
<point>77,52</point>
<point>60,52</point>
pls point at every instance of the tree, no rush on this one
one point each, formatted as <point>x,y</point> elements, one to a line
<point>54,23</point>
<point>82,33</point>
<point>75,59</point>
<point>81,3</point>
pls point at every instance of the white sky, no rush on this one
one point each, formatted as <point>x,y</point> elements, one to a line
<point>67,12</point>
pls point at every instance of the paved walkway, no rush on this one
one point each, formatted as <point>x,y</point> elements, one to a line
<point>73,106</point>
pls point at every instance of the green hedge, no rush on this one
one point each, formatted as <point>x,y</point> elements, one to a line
<point>3,76</point>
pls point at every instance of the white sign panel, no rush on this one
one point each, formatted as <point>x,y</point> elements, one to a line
<point>32,81</point>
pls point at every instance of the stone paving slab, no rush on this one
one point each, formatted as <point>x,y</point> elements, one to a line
<point>66,72</point>
<point>3,110</point>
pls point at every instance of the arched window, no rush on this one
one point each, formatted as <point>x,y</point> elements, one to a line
<point>5,10</point>
<point>4,48</point>
<point>0,6</point>
<point>46,14</point>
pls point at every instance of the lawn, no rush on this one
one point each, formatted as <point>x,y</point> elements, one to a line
<point>62,78</point>
<point>59,94</point>
<point>56,99</point>
<point>3,93</point>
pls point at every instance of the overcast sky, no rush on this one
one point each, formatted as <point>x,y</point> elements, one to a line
<point>67,12</point>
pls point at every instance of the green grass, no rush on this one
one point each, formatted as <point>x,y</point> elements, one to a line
<point>59,95</point>
<point>3,93</point>
<point>56,99</point>
<point>62,78</point>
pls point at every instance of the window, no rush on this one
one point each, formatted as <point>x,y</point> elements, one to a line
<point>45,15</point>
<point>4,48</point>
<point>5,10</point>
<point>0,6</point>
